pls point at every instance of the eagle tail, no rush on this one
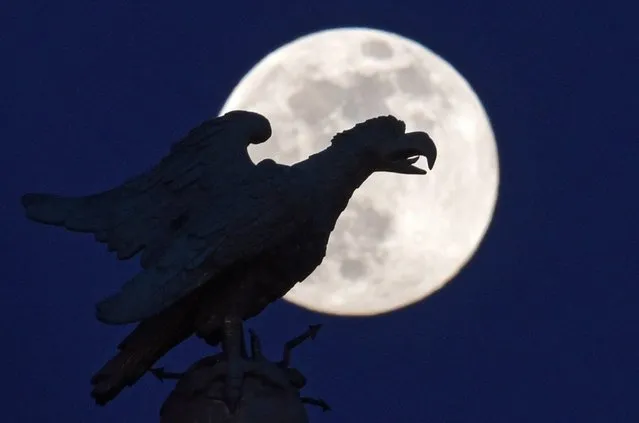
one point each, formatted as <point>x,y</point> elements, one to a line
<point>150,340</point>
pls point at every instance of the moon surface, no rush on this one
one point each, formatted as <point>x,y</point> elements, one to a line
<point>401,237</point>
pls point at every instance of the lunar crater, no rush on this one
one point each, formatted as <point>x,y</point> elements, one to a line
<point>316,100</point>
<point>377,49</point>
<point>352,269</point>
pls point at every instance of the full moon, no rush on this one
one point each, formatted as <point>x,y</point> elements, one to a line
<point>401,237</point>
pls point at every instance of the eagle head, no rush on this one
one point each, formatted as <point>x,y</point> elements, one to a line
<point>382,144</point>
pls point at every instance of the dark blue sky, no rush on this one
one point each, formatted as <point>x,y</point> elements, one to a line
<point>541,326</point>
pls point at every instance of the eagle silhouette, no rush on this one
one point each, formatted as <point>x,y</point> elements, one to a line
<point>220,237</point>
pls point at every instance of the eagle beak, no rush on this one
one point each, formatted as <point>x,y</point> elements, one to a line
<point>406,150</point>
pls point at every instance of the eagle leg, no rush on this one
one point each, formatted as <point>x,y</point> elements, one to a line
<point>234,348</point>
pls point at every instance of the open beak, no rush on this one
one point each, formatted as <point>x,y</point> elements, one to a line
<point>406,150</point>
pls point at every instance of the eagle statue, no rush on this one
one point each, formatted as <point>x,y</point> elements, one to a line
<point>220,237</point>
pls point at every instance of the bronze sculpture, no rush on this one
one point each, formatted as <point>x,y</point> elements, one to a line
<point>220,237</point>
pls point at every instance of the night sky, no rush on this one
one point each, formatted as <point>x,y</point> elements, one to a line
<point>541,326</point>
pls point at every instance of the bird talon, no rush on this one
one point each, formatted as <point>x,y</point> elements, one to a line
<point>317,402</point>
<point>158,373</point>
<point>310,333</point>
<point>162,375</point>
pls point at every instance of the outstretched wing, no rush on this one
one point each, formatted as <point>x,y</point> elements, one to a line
<point>256,220</point>
<point>147,213</point>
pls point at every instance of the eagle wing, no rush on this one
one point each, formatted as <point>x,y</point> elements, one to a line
<point>145,212</point>
<point>255,220</point>
<point>174,214</point>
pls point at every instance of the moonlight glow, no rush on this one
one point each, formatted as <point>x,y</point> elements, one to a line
<point>401,237</point>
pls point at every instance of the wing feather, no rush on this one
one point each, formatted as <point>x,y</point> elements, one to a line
<point>144,212</point>
<point>204,250</point>
<point>201,209</point>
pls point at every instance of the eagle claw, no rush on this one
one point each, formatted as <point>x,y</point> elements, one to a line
<point>317,402</point>
<point>161,374</point>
